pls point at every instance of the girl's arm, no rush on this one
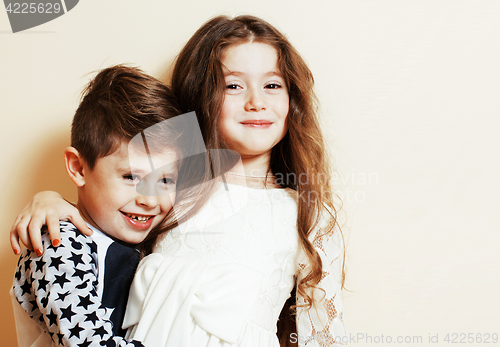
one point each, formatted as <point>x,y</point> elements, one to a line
<point>322,324</point>
<point>46,208</point>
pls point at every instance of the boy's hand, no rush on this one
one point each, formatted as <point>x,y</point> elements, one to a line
<point>46,208</point>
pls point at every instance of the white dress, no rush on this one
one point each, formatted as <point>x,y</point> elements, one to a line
<point>222,277</point>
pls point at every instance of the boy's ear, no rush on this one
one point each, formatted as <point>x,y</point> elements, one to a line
<point>74,166</point>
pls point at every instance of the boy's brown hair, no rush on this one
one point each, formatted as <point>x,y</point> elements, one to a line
<point>117,104</point>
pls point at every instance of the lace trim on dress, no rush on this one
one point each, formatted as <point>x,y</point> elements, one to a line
<point>322,325</point>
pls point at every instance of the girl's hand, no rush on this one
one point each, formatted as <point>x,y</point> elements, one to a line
<point>46,208</point>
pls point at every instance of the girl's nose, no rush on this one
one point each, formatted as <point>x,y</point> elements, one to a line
<point>255,101</point>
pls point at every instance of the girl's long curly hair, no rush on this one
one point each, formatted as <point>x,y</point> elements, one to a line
<point>300,160</point>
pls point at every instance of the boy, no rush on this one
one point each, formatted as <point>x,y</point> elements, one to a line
<point>75,294</point>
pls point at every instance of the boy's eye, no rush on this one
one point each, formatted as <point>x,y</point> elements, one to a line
<point>131,177</point>
<point>166,180</point>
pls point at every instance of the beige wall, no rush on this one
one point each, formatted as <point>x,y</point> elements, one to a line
<point>410,103</point>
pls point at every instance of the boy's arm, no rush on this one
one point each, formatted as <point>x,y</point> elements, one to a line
<point>45,208</point>
<point>59,291</point>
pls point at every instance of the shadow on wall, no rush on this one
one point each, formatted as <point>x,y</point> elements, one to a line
<point>41,169</point>
<point>166,72</point>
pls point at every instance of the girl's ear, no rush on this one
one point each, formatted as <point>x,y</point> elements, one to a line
<point>74,166</point>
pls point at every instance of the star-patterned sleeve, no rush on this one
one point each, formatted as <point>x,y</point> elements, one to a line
<point>59,291</point>
<point>322,325</point>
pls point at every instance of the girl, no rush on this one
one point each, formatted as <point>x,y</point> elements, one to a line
<point>222,277</point>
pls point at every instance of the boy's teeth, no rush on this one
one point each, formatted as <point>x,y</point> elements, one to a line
<point>138,218</point>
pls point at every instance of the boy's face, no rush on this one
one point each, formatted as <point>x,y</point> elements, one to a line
<point>110,199</point>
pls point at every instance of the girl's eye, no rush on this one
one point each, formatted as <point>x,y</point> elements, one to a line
<point>273,86</point>
<point>233,86</point>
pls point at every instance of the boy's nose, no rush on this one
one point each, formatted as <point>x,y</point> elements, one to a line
<point>147,200</point>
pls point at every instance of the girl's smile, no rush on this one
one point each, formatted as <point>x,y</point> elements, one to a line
<point>258,123</point>
<point>253,116</point>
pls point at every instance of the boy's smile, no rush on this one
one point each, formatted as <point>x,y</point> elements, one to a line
<point>110,198</point>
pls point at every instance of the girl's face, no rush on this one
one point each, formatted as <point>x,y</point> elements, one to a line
<point>253,117</point>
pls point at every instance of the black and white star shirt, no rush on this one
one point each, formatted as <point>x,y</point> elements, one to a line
<point>74,294</point>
